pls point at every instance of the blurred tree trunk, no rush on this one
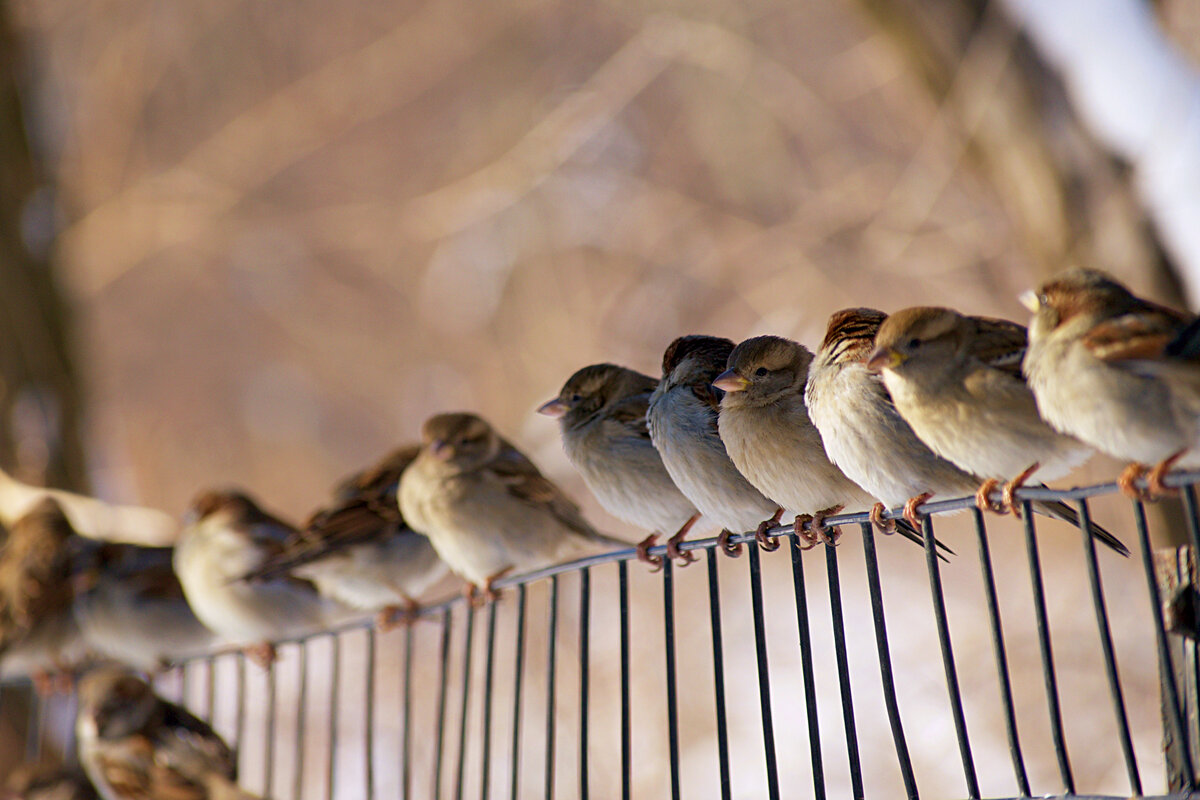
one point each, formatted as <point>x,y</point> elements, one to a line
<point>39,392</point>
<point>1070,202</point>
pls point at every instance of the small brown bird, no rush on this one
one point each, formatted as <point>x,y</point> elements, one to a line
<point>130,607</point>
<point>1117,371</point>
<point>38,635</point>
<point>766,428</point>
<point>485,507</point>
<point>957,381</point>
<point>602,412</point>
<point>863,432</point>
<point>136,746</point>
<point>359,551</point>
<point>229,536</point>
<point>682,417</point>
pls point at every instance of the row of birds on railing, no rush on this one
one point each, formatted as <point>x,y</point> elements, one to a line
<point>888,412</point>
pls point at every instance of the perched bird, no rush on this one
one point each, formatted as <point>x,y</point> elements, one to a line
<point>484,505</point>
<point>862,431</point>
<point>229,536</point>
<point>1118,372</point>
<point>38,635</point>
<point>767,431</point>
<point>683,426</point>
<point>47,782</point>
<point>957,381</point>
<point>130,607</point>
<point>136,746</point>
<point>91,518</point>
<point>359,551</point>
<point>601,410</point>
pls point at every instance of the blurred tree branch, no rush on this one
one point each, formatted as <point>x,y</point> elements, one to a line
<point>39,391</point>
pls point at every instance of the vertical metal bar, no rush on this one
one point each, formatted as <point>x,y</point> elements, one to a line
<point>714,615</point>
<point>369,718</point>
<point>887,679</point>
<point>585,609</point>
<point>335,679</point>
<point>668,578</point>
<point>764,680</point>
<point>33,728</point>
<point>443,679</point>
<point>185,684</point>
<point>406,718</point>
<point>464,708</point>
<point>301,710</point>
<point>519,673</point>
<point>1166,669</point>
<point>626,733</point>
<point>551,661</point>
<point>843,668</point>
<point>269,744</point>
<point>240,720</point>
<point>485,767</point>
<point>952,688</point>
<point>1192,513</point>
<point>807,672</point>
<point>1043,629</point>
<point>1106,644</point>
<point>999,650</point>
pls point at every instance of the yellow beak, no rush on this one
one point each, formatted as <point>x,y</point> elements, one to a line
<point>1029,299</point>
<point>730,381</point>
<point>884,358</point>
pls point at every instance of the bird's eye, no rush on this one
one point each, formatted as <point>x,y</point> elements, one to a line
<point>576,398</point>
<point>760,371</point>
<point>1043,299</point>
<point>913,344</point>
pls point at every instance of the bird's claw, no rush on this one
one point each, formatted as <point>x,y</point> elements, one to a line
<point>983,497</point>
<point>644,555</point>
<point>825,535</point>
<point>397,616</point>
<point>728,546</point>
<point>684,557</point>
<point>911,509</point>
<point>1154,481</point>
<point>1009,500</point>
<point>1127,482</point>
<point>884,526</point>
<point>767,543</point>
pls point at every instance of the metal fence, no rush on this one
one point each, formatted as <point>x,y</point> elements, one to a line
<point>773,674</point>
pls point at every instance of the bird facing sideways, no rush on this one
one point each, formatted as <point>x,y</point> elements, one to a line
<point>485,507</point>
<point>863,432</point>
<point>228,537</point>
<point>601,411</point>
<point>134,745</point>
<point>130,606</point>
<point>768,433</point>
<point>682,417</point>
<point>1117,371</point>
<point>957,381</point>
<point>359,550</point>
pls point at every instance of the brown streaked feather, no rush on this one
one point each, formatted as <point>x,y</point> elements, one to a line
<point>1000,343</point>
<point>712,350</point>
<point>1132,337</point>
<point>35,571</point>
<point>631,413</point>
<point>525,482</point>
<point>709,395</point>
<point>853,324</point>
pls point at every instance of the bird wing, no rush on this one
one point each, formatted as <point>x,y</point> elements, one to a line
<point>1000,344</point>
<point>526,483</point>
<point>1142,335</point>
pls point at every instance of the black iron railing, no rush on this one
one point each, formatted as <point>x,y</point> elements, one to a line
<point>587,685</point>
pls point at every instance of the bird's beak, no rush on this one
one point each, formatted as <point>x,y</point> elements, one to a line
<point>1029,299</point>
<point>730,381</point>
<point>440,450</point>
<point>884,358</point>
<point>553,408</point>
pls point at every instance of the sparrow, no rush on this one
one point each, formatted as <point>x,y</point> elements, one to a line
<point>485,507</point>
<point>957,381</point>
<point>134,745</point>
<point>229,536</point>
<point>765,426</point>
<point>359,550</point>
<point>38,635</point>
<point>863,432</point>
<point>130,606</point>
<point>47,782</point>
<point>90,517</point>
<point>601,411</point>
<point>682,417</point>
<point>1117,371</point>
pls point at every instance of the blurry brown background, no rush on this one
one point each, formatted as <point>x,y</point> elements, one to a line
<point>288,232</point>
